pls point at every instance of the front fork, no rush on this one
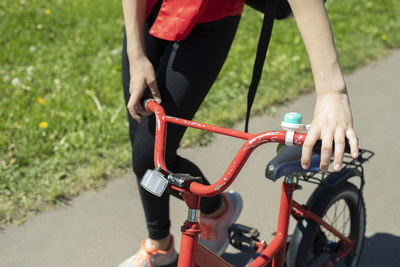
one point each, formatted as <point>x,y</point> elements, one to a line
<point>192,253</point>
<point>190,231</point>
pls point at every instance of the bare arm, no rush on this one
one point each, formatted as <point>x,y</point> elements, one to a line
<point>332,115</point>
<point>141,70</point>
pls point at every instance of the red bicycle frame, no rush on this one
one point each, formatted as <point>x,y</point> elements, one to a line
<point>194,254</point>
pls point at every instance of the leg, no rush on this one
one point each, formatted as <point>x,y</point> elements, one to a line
<point>184,79</point>
<point>186,71</point>
<point>142,155</point>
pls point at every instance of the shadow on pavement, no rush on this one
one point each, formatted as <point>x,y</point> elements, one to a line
<point>238,259</point>
<point>381,249</point>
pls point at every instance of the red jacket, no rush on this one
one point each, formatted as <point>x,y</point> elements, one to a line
<point>177,18</point>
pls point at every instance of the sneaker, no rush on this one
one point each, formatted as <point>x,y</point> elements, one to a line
<point>149,256</point>
<point>214,231</point>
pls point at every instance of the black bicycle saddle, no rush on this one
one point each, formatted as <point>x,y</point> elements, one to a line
<point>288,161</point>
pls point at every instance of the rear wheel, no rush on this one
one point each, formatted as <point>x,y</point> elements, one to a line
<point>341,207</point>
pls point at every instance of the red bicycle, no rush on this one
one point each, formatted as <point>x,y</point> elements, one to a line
<point>330,227</point>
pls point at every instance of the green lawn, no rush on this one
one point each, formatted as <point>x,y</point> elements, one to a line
<point>63,124</point>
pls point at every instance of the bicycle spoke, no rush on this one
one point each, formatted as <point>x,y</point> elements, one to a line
<point>340,212</point>
<point>328,219</point>
<point>335,215</point>
<point>344,225</point>
<point>338,216</point>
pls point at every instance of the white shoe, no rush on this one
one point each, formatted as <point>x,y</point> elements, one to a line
<point>214,231</point>
<point>149,256</point>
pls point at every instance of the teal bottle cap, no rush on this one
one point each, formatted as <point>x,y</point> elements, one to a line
<point>293,117</point>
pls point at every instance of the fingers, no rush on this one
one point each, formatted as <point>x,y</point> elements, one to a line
<point>332,123</point>
<point>142,77</point>
<point>340,143</point>
<point>134,106</point>
<point>328,138</point>
<point>154,90</point>
<point>353,141</point>
<point>137,87</point>
<point>326,150</point>
<point>306,153</point>
<point>133,109</point>
<point>339,150</point>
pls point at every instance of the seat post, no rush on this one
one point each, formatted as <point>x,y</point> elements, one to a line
<point>289,179</point>
<point>288,187</point>
<point>276,249</point>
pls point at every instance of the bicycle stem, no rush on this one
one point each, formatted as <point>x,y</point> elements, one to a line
<point>252,142</point>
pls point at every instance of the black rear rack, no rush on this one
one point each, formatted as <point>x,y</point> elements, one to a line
<point>348,163</point>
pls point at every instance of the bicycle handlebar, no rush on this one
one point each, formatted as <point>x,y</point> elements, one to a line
<point>252,142</point>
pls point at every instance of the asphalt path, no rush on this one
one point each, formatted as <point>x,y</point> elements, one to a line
<point>103,228</point>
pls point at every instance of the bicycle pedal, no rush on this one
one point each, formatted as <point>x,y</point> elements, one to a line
<point>243,237</point>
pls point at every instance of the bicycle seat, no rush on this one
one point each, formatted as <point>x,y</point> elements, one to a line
<point>288,162</point>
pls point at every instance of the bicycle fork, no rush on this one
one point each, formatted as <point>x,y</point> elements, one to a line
<point>192,253</point>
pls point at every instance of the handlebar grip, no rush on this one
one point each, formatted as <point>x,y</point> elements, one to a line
<point>318,145</point>
<point>145,101</point>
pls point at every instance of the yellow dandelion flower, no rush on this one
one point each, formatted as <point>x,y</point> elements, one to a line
<point>384,37</point>
<point>47,11</point>
<point>43,124</point>
<point>41,100</point>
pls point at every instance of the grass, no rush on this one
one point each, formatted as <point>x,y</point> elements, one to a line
<point>63,126</point>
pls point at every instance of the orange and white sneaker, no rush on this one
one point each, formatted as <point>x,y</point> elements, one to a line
<point>214,231</point>
<point>149,256</point>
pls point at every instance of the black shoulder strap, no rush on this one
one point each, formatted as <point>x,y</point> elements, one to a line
<point>263,42</point>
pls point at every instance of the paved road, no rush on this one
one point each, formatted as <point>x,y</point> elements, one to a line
<point>102,228</point>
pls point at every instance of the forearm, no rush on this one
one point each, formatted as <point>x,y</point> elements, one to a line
<point>315,29</point>
<point>142,74</point>
<point>134,17</point>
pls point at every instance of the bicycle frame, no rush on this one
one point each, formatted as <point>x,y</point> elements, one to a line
<point>194,254</point>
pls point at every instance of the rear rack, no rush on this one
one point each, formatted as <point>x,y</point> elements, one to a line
<point>348,163</point>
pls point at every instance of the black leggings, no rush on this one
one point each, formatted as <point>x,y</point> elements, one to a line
<point>185,72</point>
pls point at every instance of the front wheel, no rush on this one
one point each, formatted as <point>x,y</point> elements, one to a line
<point>343,208</point>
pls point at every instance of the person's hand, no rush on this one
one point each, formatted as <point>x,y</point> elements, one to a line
<point>142,77</point>
<point>332,123</point>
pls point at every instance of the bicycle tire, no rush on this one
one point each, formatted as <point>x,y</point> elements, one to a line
<point>310,245</point>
